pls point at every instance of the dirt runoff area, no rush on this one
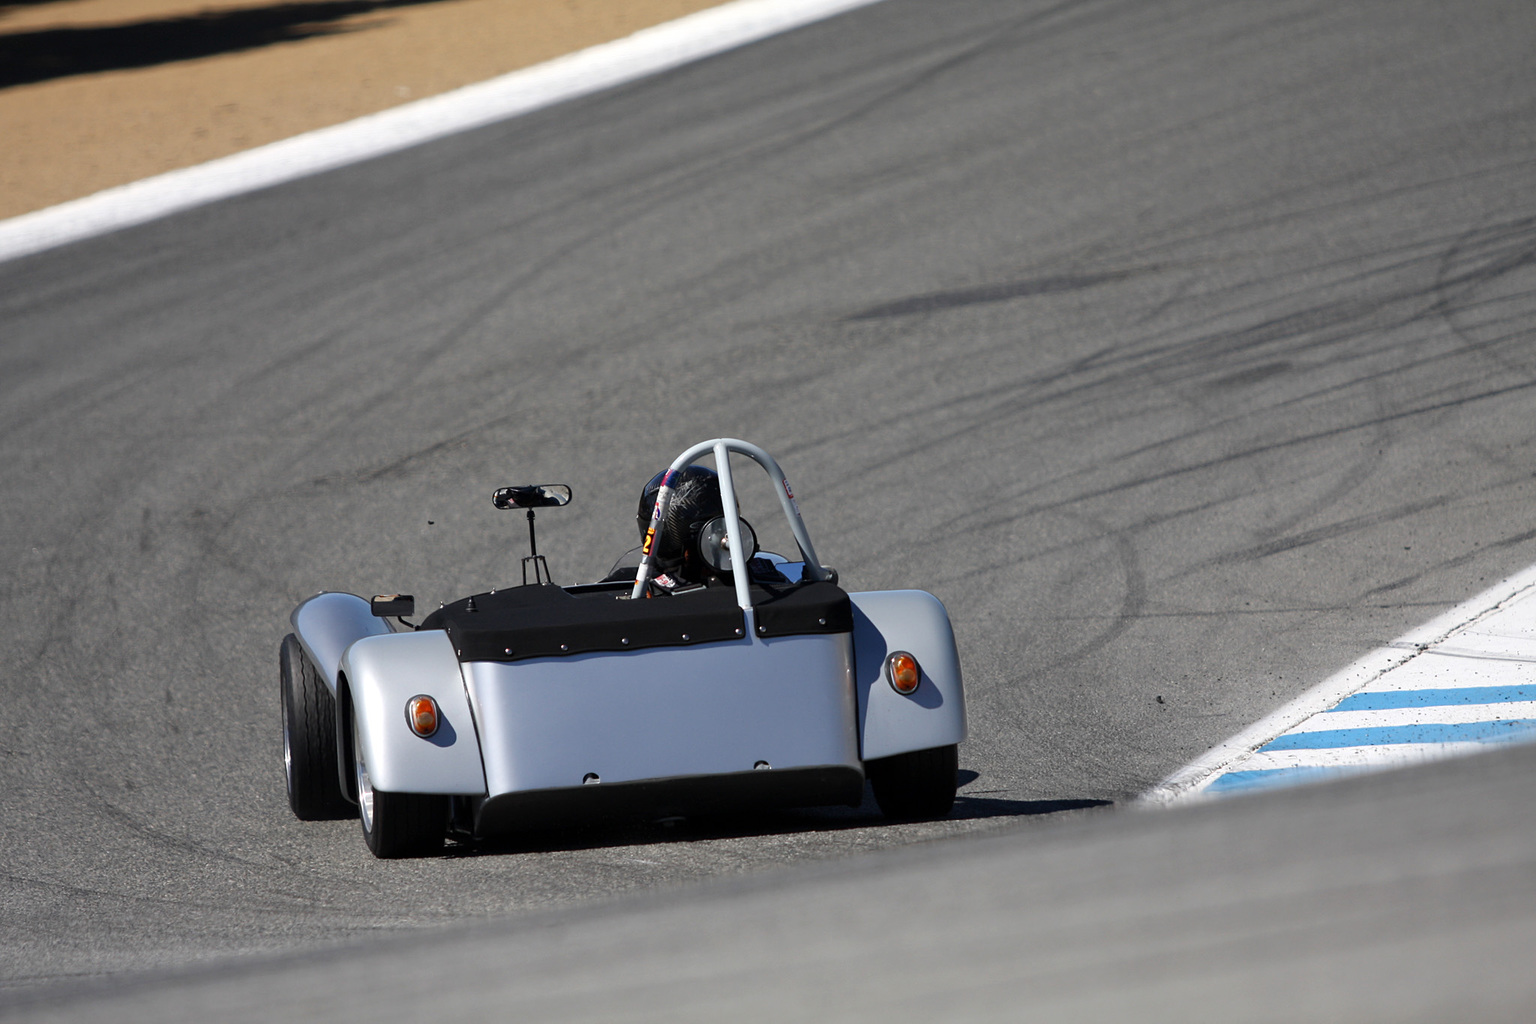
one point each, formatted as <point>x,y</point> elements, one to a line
<point>97,93</point>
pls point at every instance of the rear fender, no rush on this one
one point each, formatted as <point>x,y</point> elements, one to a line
<point>914,621</point>
<point>383,673</point>
<point>328,623</point>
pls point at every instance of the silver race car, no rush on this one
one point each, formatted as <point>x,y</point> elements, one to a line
<point>694,682</point>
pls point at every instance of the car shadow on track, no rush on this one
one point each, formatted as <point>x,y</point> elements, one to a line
<point>798,821</point>
<point>48,53</point>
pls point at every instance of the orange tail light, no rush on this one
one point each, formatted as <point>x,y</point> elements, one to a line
<point>903,672</point>
<point>421,715</point>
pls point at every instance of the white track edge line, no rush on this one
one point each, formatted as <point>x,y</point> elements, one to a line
<point>648,51</point>
<point>1193,777</point>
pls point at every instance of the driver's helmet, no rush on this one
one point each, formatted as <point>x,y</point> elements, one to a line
<point>695,501</point>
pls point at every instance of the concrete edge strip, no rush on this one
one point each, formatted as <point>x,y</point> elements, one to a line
<point>1192,777</point>
<point>647,52</point>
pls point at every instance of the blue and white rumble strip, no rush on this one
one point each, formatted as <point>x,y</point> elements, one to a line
<point>1457,685</point>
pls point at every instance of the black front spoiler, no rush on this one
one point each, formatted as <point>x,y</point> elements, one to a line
<point>650,799</point>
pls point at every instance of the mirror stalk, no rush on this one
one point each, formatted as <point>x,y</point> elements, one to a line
<point>540,566</point>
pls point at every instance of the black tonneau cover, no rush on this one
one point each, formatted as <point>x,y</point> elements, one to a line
<point>547,621</point>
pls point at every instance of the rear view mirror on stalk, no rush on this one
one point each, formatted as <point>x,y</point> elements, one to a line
<point>532,496</point>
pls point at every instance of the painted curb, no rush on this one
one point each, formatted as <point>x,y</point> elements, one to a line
<point>1189,781</point>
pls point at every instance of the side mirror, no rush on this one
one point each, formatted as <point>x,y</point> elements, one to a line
<point>532,496</point>
<point>715,544</point>
<point>390,605</point>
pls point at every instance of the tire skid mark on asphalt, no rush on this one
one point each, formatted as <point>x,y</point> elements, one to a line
<point>1462,683</point>
<point>1277,334</point>
<point>297,904</point>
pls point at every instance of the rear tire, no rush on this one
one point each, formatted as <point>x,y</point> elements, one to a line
<point>309,738</point>
<point>397,824</point>
<point>919,785</point>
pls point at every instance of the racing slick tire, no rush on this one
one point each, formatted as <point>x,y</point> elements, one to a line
<point>916,785</point>
<point>397,824</point>
<point>309,738</point>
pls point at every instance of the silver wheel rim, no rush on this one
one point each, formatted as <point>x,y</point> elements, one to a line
<point>364,784</point>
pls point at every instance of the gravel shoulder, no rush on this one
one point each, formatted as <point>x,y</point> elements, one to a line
<point>98,93</point>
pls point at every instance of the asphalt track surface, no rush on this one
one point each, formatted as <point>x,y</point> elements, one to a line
<point>1183,350</point>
